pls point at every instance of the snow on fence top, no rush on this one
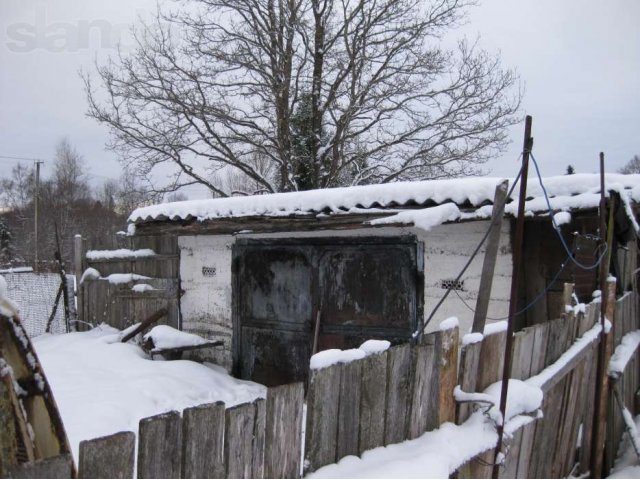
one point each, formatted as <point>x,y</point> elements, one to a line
<point>566,192</point>
<point>122,253</point>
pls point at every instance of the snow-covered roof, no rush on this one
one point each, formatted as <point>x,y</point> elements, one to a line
<point>567,192</point>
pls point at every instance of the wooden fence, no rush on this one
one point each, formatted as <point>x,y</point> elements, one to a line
<point>393,396</point>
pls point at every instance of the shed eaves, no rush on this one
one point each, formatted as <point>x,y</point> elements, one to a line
<point>567,192</point>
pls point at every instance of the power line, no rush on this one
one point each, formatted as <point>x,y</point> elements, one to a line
<point>21,159</point>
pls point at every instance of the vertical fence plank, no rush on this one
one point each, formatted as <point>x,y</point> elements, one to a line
<point>259,425</point>
<point>349,409</point>
<point>448,374</point>
<point>283,431</point>
<point>203,441</point>
<point>372,401</point>
<point>160,446</point>
<point>398,379</point>
<point>467,377</point>
<point>238,440</point>
<point>60,466</point>
<point>107,457</point>
<point>322,417</point>
<point>425,392</point>
<point>491,360</point>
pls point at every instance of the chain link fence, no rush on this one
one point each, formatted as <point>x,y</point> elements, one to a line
<point>35,295</point>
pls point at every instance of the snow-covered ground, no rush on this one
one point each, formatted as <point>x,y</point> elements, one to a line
<point>627,464</point>
<point>103,386</point>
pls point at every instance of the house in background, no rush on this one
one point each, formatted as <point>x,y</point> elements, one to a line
<point>277,277</point>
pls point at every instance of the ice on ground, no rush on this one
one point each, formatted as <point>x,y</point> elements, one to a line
<point>122,253</point>
<point>627,464</point>
<point>102,386</point>
<point>164,336</point>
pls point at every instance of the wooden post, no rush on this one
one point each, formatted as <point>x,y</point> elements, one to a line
<point>203,441</point>
<point>160,446</point>
<point>349,409</point>
<point>448,375</point>
<point>283,447</point>
<point>425,394</point>
<point>107,457</point>
<point>513,299</point>
<point>490,255</point>
<point>78,257</point>
<point>258,444</point>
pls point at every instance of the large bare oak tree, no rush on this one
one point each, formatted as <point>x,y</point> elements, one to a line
<point>299,94</point>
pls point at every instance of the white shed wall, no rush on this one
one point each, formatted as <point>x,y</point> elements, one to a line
<point>207,303</point>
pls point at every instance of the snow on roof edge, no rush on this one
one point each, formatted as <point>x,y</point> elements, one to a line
<point>566,192</point>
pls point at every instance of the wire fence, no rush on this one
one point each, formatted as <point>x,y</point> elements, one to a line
<point>35,295</point>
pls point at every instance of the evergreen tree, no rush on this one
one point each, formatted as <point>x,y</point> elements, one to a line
<point>7,248</point>
<point>570,170</point>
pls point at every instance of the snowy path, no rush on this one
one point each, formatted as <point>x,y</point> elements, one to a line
<point>102,386</point>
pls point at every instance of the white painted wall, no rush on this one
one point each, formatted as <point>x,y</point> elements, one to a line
<point>207,303</point>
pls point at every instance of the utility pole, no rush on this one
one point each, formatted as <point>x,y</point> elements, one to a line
<point>35,222</point>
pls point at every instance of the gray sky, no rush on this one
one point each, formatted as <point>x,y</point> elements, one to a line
<point>578,59</point>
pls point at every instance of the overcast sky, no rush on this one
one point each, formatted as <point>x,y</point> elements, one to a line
<point>578,59</point>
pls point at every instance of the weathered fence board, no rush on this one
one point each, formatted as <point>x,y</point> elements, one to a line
<point>257,446</point>
<point>349,410</point>
<point>60,466</point>
<point>425,396</point>
<point>398,380</point>
<point>203,441</point>
<point>238,440</point>
<point>108,457</point>
<point>448,374</point>
<point>373,397</point>
<point>283,448</point>
<point>322,417</point>
<point>160,446</point>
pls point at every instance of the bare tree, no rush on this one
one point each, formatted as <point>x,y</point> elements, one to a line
<point>329,92</point>
<point>632,166</point>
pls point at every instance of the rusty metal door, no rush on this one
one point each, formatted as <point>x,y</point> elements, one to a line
<point>358,288</point>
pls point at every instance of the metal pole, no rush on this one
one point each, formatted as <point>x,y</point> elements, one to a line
<point>35,225</point>
<point>513,301</point>
<point>596,444</point>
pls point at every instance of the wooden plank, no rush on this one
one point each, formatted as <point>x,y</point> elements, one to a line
<point>467,377</point>
<point>448,375</point>
<point>283,431</point>
<point>398,380</point>
<point>544,443</point>
<point>425,394</point>
<point>349,409</point>
<point>491,360</point>
<point>160,446</point>
<point>322,418</point>
<point>373,397</point>
<point>238,440</point>
<point>526,451</point>
<point>510,467</point>
<point>108,457</point>
<point>60,466</point>
<point>522,349</point>
<point>490,255</point>
<point>538,352</point>
<point>203,441</point>
<point>258,445</point>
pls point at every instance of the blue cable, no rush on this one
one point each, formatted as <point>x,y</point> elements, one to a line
<point>557,229</point>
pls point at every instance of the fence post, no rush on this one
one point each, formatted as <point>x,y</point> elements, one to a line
<point>398,380</point>
<point>203,441</point>
<point>283,431</point>
<point>425,394</point>
<point>107,457</point>
<point>160,446</point>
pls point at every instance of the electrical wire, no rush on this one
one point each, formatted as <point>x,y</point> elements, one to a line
<point>557,228</point>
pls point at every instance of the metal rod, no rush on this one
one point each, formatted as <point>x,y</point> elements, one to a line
<point>513,300</point>
<point>596,464</point>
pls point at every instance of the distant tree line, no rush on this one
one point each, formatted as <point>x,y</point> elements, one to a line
<point>68,200</point>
